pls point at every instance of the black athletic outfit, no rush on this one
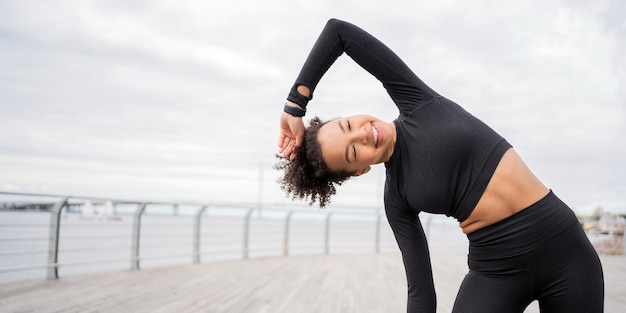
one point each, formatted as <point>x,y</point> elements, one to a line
<point>442,162</point>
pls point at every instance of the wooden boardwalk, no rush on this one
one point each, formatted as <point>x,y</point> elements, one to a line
<point>332,283</point>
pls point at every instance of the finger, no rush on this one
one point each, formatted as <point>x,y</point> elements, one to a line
<point>290,151</point>
<point>298,140</point>
<point>283,140</point>
<point>285,144</point>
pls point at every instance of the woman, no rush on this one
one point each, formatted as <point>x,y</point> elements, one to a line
<point>525,243</point>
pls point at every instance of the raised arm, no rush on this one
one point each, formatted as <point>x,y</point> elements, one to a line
<point>403,86</point>
<point>411,239</point>
<point>337,37</point>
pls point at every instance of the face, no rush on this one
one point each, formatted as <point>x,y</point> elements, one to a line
<point>356,142</point>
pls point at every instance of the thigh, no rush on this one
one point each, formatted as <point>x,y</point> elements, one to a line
<point>486,293</point>
<point>570,277</point>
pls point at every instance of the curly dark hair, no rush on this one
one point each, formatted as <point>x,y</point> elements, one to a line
<point>307,176</point>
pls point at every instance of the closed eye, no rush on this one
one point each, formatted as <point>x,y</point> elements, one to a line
<point>354,151</point>
<point>349,127</point>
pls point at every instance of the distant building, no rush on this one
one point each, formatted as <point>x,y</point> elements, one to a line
<point>611,223</point>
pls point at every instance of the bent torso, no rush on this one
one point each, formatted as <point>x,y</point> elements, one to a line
<point>512,188</point>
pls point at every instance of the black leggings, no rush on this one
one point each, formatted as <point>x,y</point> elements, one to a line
<point>540,253</point>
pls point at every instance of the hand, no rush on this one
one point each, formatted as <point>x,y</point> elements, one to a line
<point>291,133</point>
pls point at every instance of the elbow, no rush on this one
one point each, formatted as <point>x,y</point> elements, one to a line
<point>334,22</point>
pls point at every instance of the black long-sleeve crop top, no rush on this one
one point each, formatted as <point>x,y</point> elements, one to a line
<point>443,159</point>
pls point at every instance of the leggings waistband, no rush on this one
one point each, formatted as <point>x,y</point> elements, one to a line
<point>521,232</point>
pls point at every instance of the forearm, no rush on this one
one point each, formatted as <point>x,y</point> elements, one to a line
<point>412,243</point>
<point>337,37</point>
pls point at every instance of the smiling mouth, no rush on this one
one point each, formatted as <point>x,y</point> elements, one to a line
<point>375,135</point>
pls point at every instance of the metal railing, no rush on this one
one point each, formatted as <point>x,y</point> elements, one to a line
<point>315,232</point>
<point>144,234</point>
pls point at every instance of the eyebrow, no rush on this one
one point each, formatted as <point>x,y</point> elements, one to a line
<point>347,152</point>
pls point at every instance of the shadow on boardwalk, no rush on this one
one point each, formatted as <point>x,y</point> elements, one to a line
<point>333,283</point>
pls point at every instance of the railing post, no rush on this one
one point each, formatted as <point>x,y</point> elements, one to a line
<point>286,238</point>
<point>246,235</point>
<point>53,243</point>
<point>134,253</point>
<point>196,234</point>
<point>378,219</point>
<point>327,234</point>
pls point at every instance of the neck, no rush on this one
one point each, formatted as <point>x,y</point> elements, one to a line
<point>392,145</point>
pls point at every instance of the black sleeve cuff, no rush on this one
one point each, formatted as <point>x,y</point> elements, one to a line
<point>295,111</point>
<point>297,98</point>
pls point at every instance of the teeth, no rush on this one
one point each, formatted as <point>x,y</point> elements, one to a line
<point>375,132</point>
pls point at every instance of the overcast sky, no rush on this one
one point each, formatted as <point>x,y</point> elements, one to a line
<point>179,100</point>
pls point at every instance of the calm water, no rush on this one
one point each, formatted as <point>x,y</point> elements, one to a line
<point>168,239</point>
